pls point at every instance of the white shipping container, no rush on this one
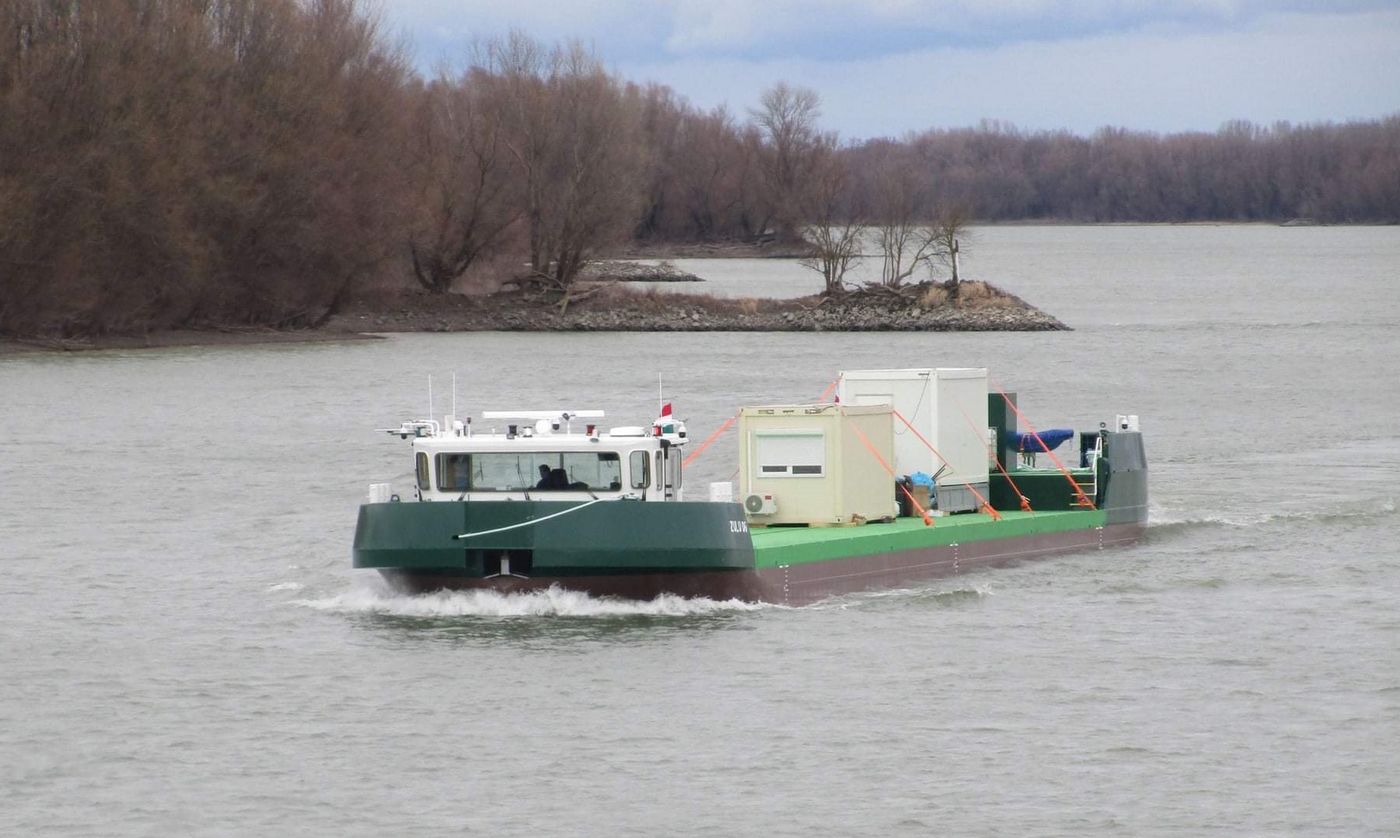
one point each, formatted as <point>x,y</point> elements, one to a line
<point>948,407</point>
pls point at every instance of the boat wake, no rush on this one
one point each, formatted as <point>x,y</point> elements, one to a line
<point>932,595</point>
<point>1164,522</point>
<point>379,599</point>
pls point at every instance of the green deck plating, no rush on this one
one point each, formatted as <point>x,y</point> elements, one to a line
<point>779,546</point>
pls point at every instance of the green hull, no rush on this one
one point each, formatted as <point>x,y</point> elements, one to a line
<point>614,537</point>
<point>642,550</point>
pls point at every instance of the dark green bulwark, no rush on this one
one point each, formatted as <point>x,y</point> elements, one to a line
<point>605,538</point>
<point>1047,491</point>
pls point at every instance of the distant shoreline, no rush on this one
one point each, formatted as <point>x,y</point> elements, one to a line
<point>412,310</point>
<point>982,307</point>
<point>176,338</point>
<point>660,251</point>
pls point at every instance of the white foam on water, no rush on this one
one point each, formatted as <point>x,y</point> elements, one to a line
<point>937,594</point>
<point>1333,510</point>
<point>551,602</point>
<point>286,586</point>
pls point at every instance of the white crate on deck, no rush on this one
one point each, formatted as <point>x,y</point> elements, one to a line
<point>948,407</point>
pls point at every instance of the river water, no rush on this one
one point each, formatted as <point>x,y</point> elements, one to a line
<point>185,649</point>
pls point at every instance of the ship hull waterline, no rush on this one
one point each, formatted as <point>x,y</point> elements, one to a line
<point>795,584</point>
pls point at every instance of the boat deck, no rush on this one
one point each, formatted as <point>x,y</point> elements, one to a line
<point>779,546</point>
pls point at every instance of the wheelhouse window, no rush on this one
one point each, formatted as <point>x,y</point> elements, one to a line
<point>673,469</point>
<point>637,465</point>
<point>532,471</point>
<point>454,472</point>
<point>789,454</point>
<point>424,481</point>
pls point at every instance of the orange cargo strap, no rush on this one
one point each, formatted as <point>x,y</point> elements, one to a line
<point>986,507</point>
<point>1083,499</point>
<point>923,513</point>
<point>1025,501</point>
<point>710,439</point>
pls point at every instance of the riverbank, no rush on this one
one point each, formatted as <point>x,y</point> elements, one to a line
<point>615,270</point>
<point>764,249</point>
<point>178,338</point>
<point>979,307</point>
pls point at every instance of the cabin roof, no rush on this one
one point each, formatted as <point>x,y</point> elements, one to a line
<point>546,442</point>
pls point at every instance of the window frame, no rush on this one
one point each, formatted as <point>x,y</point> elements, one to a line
<point>560,461</point>
<point>633,459</point>
<point>438,465</point>
<point>424,472</point>
<point>797,468</point>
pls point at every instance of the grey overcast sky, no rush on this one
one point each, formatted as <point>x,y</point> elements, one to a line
<point>884,67</point>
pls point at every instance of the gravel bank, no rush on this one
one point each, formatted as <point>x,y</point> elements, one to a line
<point>616,308</point>
<point>985,308</point>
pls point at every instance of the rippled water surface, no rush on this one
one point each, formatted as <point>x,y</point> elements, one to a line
<point>185,650</point>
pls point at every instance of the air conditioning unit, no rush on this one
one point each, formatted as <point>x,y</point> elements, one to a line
<point>760,505</point>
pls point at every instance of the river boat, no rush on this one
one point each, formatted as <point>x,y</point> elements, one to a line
<point>906,476</point>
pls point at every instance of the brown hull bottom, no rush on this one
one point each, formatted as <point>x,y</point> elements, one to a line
<point>796,584</point>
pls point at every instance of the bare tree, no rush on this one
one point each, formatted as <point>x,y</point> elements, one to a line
<point>949,233</point>
<point>575,134</point>
<point>757,206</point>
<point>793,148</point>
<point>834,226</point>
<point>465,181</point>
<point>516,66</point>
<point>906,243</point>
<point>169,163</point>
<point>707,169</point>
<point>664,124</point>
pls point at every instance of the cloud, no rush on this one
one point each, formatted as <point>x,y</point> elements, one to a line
<point>884,67</point>
<point>619,30</point>
<point>625,30</point>
<point>1292,67</point>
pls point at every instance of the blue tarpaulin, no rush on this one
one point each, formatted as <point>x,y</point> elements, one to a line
<point>1052,438</point>
<point>920,478</point>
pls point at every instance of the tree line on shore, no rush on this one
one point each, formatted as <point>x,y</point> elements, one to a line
<point>225,163</point>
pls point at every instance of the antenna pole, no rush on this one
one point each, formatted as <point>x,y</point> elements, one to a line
<point>430,396</point>
<point>659,398</point>
<point>454,393</point>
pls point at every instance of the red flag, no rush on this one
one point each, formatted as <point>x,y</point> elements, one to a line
<point>666,409</point>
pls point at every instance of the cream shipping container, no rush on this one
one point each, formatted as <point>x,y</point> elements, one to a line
<point>816,464</point>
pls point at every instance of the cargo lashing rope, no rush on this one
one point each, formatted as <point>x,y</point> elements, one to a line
<point>706,444</point>
<point>1083,499</point>
<point>923,513</point>
<point>996,458</point>
<point>986,507</point>
<point>694,455</point>
<point>531,522</point>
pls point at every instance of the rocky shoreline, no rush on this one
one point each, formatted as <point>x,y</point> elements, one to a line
<point>625,271</point>
<point>614,307</point>
<point>767,248</point>
<point>981,308</point>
